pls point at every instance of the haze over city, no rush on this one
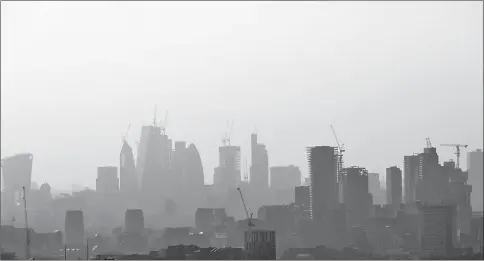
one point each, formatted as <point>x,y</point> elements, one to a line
<point>241,130</point>
<point>386,75</point>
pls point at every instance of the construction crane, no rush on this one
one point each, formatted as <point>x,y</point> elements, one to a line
<point>27,245</point>
<point>429,144</point>
<point>249,217</point>
<point>457,148</point>
<point>340,155</point>
<point>228,133</point>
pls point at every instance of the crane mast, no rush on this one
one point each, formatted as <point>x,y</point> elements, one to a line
<point>340,155</point>
<point>27,245</point>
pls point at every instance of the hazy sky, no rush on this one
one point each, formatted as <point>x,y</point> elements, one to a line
<point>385,74</point>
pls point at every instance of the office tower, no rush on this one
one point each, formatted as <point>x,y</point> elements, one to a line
<point>394,187</point>
<point>17,173</point>
<point>259,170</point>
<point>302,198</point>
<point>410,176</point>
<point>459,195</point>
<point>438,233</point>
<point>285,177</point>
<point>127,170</point>
<point>357,199</point>
<point>134,221</point>
<point>260,244</point>
<point>107,180</point>
<point>193,169</point>
<point>323,190</point>
<point>146,132</point>
<point>228,173</point>
<point>432,183</point>
<point>74,228</point>
<point>474,165</point>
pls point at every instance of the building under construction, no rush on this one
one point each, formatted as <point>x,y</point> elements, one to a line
<point>357,199</point>
<point>323,190</point>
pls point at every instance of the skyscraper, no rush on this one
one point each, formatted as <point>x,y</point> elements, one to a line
<point>356,196</point>
<point>474,165</point>
<point>438,233</point>
<point>432,183</point>
<point>127,170</point>
<point>394,187</point>
<point>146,132</point>
<point>74,228</point>
<point>229,167</point>
<point>410,171</point>
<point>324,187</point>
<point>259,170</point>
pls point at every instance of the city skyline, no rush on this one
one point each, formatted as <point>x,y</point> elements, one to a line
<point>385,88</point>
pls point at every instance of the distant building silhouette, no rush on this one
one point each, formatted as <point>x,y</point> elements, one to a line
<point>107,180</point>
<point>127,170</point>
<point>134,221</point>
<point>324,187</point>
<point>376,190</point>
<point>17,173</point>
<point>302,197</point>
<point>357,199</point>
<point>259,169</point>
<point>227,175</point>
<point>474,165</point>
<point>410,171</point>
<point>285,177</point>
<point>394,187</point>
<point>74,228</point>
<point>146,132</point>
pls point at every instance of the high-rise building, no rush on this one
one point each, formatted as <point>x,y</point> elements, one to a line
<point>285,177</point>
<point>127,170</point>
<point>323,190</point>
<point>134,221</point>
<point>357,199</point>
<point>394,187</point>
<point>432,183</point>
<point>74,228</point>
<point>17,173</point>
<point>107,180</point>
<point>437,229</point>
<point>259,170</point>
<point>260,244</point>
<point>146,132</point>
<point>410,172</point>
<point>474,165</point>
<point>228,172</point>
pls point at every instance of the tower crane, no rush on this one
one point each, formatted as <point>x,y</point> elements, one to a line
<point>341,149</point>
<point>27,245</point>
<point>249,217</point>
<point>457,148</point>
<point>429,144</point>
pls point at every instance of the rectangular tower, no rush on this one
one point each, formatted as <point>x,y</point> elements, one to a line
<point>474,165</point>
<point>394,187</point>
<point>410,171</point>
<point>323,189</point>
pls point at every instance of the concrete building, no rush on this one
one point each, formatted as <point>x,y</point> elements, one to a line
<point>74,228</point>
<point>474,165</point>
<point>432,184</point>
<point>410,172</point>
<point>394,187</point>
<point>285,177</point>
<point>260,244</point>
<point>127,170</point>
<point>376,190</point>
<point>437,230</point>
<point>357,199</point>
<point>107,180</point>
<point>259,169</point>
<point>134,221</point>
<point>323,190</point>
